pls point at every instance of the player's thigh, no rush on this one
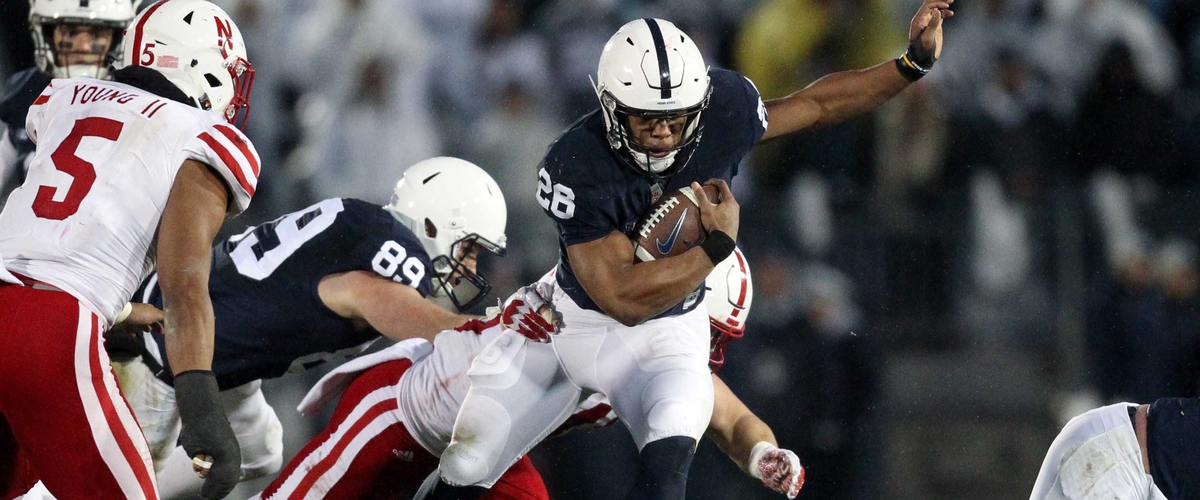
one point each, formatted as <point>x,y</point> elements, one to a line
<point>257,427</point>
<point>656,376</point>
<point>153,403</point>
<point>73,424</point>
<point>519,394</point>
<point>520,482</point>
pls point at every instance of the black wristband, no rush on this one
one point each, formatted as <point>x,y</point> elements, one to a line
<point>718,246</point>
<point>915,63</point>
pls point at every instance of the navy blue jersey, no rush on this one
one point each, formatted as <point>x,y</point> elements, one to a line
<point>18,94</point>
<point>1173,443</point>
<point>269,317</point>
<point>590,192</point>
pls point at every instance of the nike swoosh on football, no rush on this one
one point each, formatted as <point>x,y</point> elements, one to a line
<point>665,248</point>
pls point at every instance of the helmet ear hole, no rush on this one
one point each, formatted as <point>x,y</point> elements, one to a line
<point>212,80</point>
<point>430,228</point>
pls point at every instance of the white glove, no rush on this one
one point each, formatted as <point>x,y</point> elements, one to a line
<point>777,468</point>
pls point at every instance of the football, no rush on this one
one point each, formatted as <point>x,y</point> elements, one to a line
<point>671,226</point>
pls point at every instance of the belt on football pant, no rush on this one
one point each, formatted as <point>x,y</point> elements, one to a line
<point>35,284</point>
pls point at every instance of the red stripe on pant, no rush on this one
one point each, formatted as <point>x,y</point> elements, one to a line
<point>54,384</point>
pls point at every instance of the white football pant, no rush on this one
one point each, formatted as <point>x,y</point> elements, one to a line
<point>1096,456</point>
<point>655,374</point>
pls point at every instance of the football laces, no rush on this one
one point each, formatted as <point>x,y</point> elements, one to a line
<point>658,216</point>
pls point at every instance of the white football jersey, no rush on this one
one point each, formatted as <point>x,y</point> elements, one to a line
<point>86,219</point>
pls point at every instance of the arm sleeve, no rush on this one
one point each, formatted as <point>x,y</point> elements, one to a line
<point>232,156</point>
<point>581,210</point>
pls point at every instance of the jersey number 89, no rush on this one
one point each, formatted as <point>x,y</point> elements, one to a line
<point>393,257</point>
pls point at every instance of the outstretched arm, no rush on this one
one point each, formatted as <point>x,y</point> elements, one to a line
<point>749,442</point>
<point>839,96</point>
<point>393,309</point>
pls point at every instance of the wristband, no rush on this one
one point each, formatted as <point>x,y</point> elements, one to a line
<point>912,67</point>
<point>756,454</point>
<point>718,246</point>
<point>124,313</point>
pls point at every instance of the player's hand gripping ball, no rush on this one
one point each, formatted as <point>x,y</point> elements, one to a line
<point>530,314</point>
<point>672,226</point>
<point>777,468</point>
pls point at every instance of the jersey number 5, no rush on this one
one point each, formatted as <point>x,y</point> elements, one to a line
<point>82,172</point>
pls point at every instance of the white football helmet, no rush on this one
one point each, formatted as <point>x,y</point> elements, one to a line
<point>651,69</point>
<point>47,15</point>
<point>728,294</point>
<point>199,49</point>
<point>448,202</point>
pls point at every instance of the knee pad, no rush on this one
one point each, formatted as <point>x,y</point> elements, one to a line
<point>480,434</point>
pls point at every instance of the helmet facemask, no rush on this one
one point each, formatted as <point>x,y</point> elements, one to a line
<point>722,335</point>
<point>241,73</point>
<point>454,281</point>
<point>656,161</point>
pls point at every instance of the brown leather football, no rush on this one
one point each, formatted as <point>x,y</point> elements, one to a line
<point>671,226</point>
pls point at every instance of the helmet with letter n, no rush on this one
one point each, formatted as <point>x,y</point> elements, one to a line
<point>728,294</point>
<point>453,207</point>
<point>199,49</point>
<point>65,60</point>
<point>652,70</point>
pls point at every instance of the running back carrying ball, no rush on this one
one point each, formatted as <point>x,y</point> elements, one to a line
<point>672,225</point>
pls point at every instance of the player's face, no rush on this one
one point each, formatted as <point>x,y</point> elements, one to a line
<point>83,45</point>
<point>657,133</point>
<point>468,255</point>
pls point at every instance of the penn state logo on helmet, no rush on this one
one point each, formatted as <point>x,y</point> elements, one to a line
<point>728,296</point>
<point>453,206</point>
<point>199,49</point>
<point>73,38</point>
<point>650,70</point>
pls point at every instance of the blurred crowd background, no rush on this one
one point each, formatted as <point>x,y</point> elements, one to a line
<point>939,284</point>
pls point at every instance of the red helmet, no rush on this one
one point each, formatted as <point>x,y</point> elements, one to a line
<point>728,295</point>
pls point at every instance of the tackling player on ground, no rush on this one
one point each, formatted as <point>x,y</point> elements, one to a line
<point>315,285</point>
<point>70,40</point>
<point>126,173</point>
<point>397,409</point>
<point>633,331</point>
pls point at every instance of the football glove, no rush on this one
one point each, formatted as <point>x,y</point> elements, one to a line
<point>777,468</point>
<point>530,315</point>
<point>206,431</point>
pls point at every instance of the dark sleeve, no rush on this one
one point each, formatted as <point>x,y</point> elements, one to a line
<point>738,111</point>
<point>581,206</point>
<point>19,92</point>
<point>1173,443</point>
<point>389,249</point>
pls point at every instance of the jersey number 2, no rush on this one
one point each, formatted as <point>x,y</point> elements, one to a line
<point>82,171</point>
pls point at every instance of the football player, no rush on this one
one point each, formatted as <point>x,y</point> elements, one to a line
<point>125,173</point>
<point>635,332</point>
<point>319,284</point>
<point>398,406</point>
<point>70,39</point>
<point>1125,451</point>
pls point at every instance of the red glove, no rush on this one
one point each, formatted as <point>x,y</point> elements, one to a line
<point>529,314</point>
<point>778,469</point>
